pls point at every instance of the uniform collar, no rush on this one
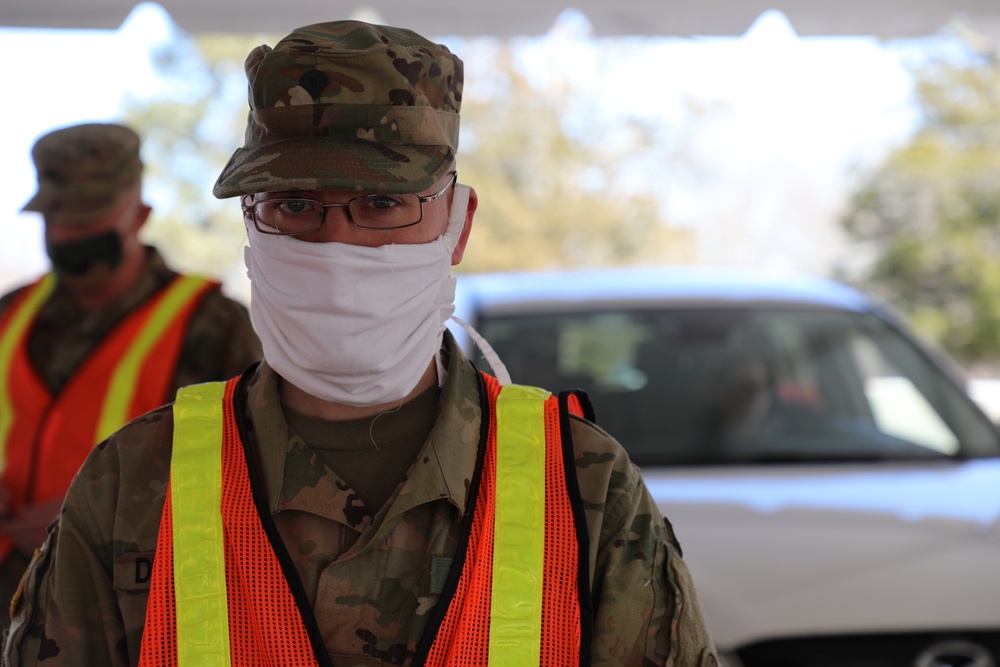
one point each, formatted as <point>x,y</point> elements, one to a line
<point>445,466</point>
<point>443,469</point>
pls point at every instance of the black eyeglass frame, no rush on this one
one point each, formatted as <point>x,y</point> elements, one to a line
<point>264,229</point>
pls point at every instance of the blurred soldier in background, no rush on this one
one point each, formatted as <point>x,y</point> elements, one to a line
<point>108,334</point>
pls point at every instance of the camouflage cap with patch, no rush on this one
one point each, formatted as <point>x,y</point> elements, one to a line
<point>346,105</point>
<point>83,168</point>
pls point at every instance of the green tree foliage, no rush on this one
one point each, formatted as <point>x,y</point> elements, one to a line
<point>550,199</point>
<point>190,126</point>
<point>930,215</point>
<point>547,198</point>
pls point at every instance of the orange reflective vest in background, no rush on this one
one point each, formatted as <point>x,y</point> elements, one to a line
<point>45,436</point>
<point>517,595</point>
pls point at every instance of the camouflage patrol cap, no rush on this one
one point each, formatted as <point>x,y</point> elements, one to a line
<point>83,168</point>
<point>347,105</point>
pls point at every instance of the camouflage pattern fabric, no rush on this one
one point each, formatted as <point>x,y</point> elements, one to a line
<point>372,575</point>
<point>83,168</point>
<point>348,106</point>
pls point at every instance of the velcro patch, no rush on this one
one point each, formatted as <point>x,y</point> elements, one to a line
<point>440,567</point>
<point>133,571</point>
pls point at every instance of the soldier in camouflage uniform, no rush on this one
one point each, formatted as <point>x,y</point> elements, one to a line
<point>364,417</point>
<point>89,193</point>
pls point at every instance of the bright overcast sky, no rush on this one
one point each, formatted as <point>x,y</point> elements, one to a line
<point>811,105</point>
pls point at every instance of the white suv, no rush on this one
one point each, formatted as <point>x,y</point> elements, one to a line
<point>835,491</point>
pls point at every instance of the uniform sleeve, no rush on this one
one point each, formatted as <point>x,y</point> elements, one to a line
<point>646,609</point>
<point>67,613</point>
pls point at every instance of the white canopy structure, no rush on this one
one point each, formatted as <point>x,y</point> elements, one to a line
<point>885,19</point>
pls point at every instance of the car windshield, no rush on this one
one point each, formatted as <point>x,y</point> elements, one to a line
<point>693,386</point>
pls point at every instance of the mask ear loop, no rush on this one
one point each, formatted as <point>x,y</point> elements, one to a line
<point>456,218</point>
<point>492,358</point>
<point>460,204</point>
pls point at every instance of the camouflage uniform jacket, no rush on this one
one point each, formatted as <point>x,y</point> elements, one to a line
<point>220,340</point>
<point>372,578</point>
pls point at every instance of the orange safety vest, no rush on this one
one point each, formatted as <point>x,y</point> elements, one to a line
<point>45,437</point>
<point>518,596</point>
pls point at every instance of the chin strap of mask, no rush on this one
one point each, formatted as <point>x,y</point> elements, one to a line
<point>492,358</point>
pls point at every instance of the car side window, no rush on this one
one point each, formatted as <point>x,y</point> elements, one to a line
<point>704,386</point>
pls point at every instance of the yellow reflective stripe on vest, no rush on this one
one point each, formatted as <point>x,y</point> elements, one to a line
<point>9,340</point>
<point>519,527</point>
<point>201,603</point>
<point>115,411</point>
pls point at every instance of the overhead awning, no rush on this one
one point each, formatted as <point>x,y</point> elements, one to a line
<point>884,19</point>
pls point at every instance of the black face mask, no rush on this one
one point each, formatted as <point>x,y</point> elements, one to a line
<point>78,257</point>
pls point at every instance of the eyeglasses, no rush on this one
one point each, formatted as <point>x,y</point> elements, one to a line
<point>293,216</point>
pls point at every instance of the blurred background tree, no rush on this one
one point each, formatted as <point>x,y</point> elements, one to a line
<point>190,127</point>
<point>927,221</point>
<point>563,185</point>
<point>550,198</point>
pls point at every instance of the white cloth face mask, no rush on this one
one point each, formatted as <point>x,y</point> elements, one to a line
<point>352,324</point>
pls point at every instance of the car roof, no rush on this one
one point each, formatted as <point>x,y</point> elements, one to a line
<point>694,285</point>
